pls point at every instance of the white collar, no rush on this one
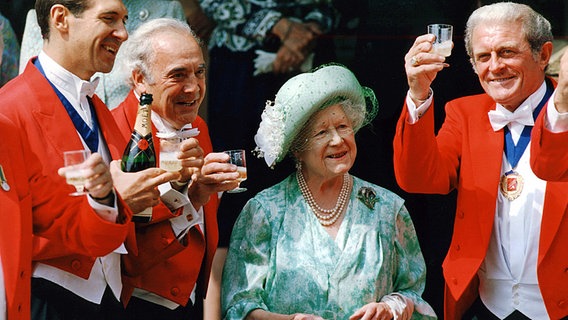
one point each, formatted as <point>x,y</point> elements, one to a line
<point>65,81</point>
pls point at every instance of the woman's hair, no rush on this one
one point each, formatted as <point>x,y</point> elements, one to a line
<point>138,49</point>
<point>355,113</point>
<point>43,11</point>
<point>535,27</point>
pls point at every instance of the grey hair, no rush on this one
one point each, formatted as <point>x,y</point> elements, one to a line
<point>355,112</point>
<point>138,51</point>
<point>534,26</point>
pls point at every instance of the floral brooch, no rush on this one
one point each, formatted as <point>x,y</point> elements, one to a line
<point>368,197</point>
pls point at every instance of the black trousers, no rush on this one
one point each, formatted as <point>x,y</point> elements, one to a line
<point>139,309</point>
<point>53,302</point>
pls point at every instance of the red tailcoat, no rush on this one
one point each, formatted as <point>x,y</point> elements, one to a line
<point>466,155</point>
<point>164,266</point>
<point>35,203</point>
<point>31,103</point>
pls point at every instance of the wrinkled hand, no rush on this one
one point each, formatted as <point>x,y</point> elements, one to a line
<point>140,189</point>
<point>298,40</point>
<point>422,67</point>
<point>216,175</point>
<point>98,178</point>
<point>561,96</point>
<point>191,156</point>
<point>373,311</point>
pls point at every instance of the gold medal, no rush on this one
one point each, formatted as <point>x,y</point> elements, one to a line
<point>3,181</point>
<point>511,185</point>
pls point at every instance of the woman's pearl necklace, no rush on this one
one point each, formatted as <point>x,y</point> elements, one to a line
<point>326,217</point>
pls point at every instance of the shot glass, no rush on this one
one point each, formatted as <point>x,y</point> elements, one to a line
<point>443,43</point>
<point>237,157</point>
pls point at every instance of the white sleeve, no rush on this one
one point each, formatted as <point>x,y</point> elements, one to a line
<point>401,306</point>
<point>414,112</point>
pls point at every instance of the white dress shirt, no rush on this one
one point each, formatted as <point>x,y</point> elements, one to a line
<point>173,199</point>
<point>106,270</point>
<point>508,278</point>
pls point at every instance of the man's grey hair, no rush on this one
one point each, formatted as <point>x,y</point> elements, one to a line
<point>138,51</point>
<point>534,26</point>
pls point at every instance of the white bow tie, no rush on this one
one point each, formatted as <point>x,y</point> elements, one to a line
<point>500,118</point>
<point>88,88</point>
<point>184,133</point>
<point>187,132</point>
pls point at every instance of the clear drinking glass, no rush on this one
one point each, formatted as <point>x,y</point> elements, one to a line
<point>237,157</point>
<point>443,43</point>
<point>169,150</point>
<point>75,173</point>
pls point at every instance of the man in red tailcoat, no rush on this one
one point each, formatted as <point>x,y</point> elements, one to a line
<point>507,258</point>
<point>167,62</point>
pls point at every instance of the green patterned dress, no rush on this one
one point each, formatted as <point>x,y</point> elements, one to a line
<point>282,260</point>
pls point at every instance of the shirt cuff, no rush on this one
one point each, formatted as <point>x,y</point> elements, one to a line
<point>401,307</point>
<point>172,198</point>
<point>416,112</point>
<point>555,121</point>
<point>105,212</point>
<point>188,219</point>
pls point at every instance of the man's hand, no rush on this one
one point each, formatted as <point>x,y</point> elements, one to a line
<point>216,175</point>
<point>98,182</point>
<point>140,189</point>
<point>422,67</point>
<point>191,156</point>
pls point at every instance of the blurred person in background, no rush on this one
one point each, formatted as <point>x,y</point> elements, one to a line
<point>9,51</point>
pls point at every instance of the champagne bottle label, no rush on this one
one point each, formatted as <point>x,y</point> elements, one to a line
<point>139,153</point>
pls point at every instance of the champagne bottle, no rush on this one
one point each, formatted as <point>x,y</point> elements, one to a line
<point>139,153</point>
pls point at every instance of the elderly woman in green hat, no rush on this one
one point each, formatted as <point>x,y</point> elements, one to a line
<point>322,244</point>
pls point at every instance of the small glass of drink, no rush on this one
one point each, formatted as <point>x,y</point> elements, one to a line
<point>237,157</point>
<point>169,150</point>
<point>75,173</point>
<point>443,43</point>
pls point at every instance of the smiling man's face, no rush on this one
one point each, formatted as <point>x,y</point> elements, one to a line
<point>95,36</point>
<point>177,78</point>
<point>507,69</point>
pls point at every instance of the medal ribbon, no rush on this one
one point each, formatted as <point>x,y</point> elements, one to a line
<point>514,152</point>
<point>90,136</point>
